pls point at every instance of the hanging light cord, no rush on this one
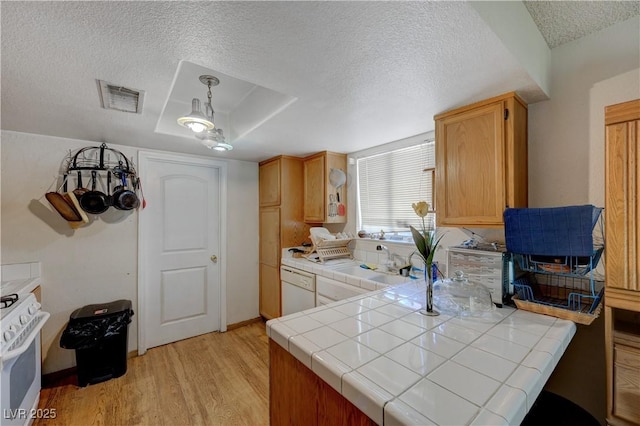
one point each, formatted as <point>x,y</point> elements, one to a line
<point>209,105</point>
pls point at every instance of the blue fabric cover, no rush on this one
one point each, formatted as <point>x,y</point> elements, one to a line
<point>554,231</point>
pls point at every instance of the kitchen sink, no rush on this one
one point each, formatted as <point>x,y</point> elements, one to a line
<point>357,271</point>
<point>371,275</point>
<point>389,279</point>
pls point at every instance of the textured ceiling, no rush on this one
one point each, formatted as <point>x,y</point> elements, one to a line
<point>560,22</point>
<point>363,73</point>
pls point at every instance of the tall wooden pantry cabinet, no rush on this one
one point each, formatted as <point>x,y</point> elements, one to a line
<point>481,162</point>
<point>281,224</point>
<point>622,285</point>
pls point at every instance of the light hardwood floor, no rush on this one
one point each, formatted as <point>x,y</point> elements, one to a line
<point>214,379</point>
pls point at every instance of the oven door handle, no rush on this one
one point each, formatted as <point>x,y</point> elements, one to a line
<point>41,318</point>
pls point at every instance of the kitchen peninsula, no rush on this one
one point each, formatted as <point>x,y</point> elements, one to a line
<point>374,359</point>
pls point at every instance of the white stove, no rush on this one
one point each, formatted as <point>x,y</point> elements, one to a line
<point>20,324</point>
<point>18,319</point>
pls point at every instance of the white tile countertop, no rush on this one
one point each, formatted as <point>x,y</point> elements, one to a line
<point>20,278</point>
<point>400,367</point>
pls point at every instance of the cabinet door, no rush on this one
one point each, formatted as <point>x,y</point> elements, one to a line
<point>335,290</point>
<point>626,376</point>
<point>622,205</point>
<point>270,236</point>
<point>270,183</point>
<point>270,262</point>
<point>269,291</point>
<point>470,167</point>
<point>314,189</point>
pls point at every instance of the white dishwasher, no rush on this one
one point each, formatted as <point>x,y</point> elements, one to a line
<point>298,290</point>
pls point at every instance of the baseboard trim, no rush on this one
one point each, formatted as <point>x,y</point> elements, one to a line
<point>243,323</point>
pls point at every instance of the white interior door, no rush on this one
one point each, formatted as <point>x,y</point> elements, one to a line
<point>180,256</point>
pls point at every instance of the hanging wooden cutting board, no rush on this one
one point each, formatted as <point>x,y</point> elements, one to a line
<point>65,207</point>
<point>71,197</point>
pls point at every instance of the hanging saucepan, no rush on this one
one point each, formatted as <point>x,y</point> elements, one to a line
<point>123,198</point>
<point>94,202</point>
<point>80,190</point>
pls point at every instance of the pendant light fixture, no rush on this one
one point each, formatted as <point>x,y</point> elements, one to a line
<point>197,121</point>
<point>214,139</point>
<point>202,124</point>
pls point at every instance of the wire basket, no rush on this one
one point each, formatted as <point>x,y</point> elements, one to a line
<point>578,299</point>
<point>569,265</point>
<point>559,248</point>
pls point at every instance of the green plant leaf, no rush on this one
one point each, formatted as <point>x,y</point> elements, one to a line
<point>420,242</point>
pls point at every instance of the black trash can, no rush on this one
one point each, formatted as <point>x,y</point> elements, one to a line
<point>99,334</point>
<point>552,409</point>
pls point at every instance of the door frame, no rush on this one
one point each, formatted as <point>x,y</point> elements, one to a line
<point>143,159</point>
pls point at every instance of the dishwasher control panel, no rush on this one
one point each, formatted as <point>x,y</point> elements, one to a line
<point>298,278</point>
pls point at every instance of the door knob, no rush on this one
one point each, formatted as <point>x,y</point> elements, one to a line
<point>214,258</point>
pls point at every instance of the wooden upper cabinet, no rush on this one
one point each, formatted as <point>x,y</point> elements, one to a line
<point>622,204</point>
<point>270,183</point>
<point>314,189</point>
<point>323,202</point>
<point>481,162</point>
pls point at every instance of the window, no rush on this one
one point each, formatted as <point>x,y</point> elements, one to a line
<point>388,183</point>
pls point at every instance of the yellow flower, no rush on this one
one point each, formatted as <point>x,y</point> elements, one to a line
<point>426,241</point>
<point>421,208</point>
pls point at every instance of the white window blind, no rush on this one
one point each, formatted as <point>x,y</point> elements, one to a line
<point>390,182</point>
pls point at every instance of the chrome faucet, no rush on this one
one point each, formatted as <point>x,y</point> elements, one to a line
<point>391,264</point>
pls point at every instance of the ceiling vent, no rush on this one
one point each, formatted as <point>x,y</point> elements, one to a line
<point>120,98</point>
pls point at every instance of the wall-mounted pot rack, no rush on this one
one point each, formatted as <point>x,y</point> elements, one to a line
<point>94,158</point>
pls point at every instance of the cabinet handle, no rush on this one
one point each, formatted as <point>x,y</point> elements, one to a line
<point>214,258</point>
<point>506,114</point>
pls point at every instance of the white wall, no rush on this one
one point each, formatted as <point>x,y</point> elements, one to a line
<point>560,128</point>
<point>98,262</point>
<point>566,166</point>
<point>615,90</point>
<point>511,21</point>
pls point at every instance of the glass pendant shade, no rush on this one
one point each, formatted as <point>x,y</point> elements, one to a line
<point>214,139</point>
<point>196,121</point>
<point>221,146</point>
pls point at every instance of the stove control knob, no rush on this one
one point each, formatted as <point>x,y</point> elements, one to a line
<point>33,308</point>
<point>23,319</point>
<point>11,331</point>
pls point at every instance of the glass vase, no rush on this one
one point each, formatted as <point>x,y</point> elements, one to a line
<point>428,279</point>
